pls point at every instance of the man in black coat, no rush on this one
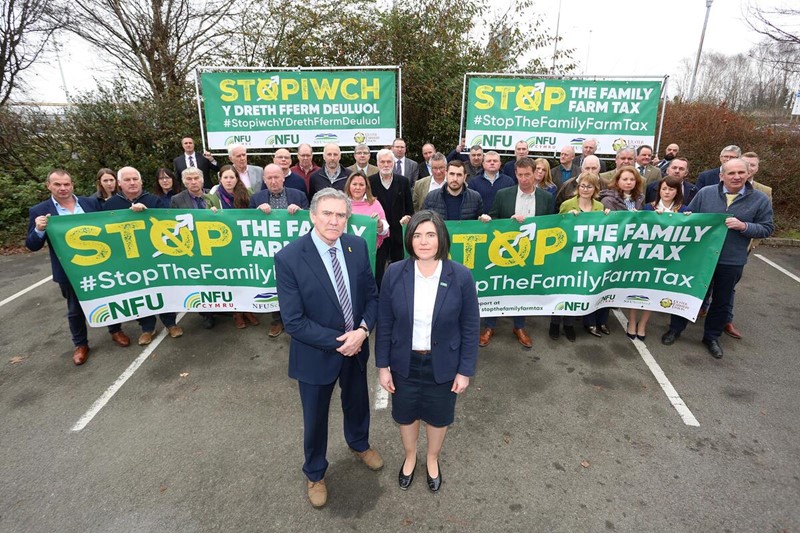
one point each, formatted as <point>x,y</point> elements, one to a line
<point>189,158</point>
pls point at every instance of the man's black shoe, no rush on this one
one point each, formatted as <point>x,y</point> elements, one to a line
<point>669,337</point>
<point>713,348</point>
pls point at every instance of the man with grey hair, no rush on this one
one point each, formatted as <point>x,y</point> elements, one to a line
<point>332,174</point>
<point>283,158</point>
<point>625,158</point>
<point>329,304</point>
<point>393,191</point>
<point>305,166</point>
<point>711,176</point>
<point>590,165</point>
<point>567,169</point>
<point>589,147</point>
<point>133,197</point>
<point>520,151</point>
<point>362,164</point>
<point>193,197</point>
<point>249,175</point>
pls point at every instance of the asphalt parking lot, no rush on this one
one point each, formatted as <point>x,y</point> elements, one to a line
<point>206,433</point>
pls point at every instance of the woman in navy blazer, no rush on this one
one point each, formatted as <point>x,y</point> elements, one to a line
<point>426,344</point>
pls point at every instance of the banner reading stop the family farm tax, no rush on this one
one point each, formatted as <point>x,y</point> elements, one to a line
<point>285,108</point>
<point>572,265</point>
<point>126,265</point>
<point>551,113</point>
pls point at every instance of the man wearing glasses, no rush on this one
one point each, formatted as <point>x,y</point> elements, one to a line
<point>362,163</point>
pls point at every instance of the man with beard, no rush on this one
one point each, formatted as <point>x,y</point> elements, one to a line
<point>454,201</point>
<point>394,193</point>
<point>669,154</point>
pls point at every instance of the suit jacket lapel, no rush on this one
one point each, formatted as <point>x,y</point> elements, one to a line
<point>445,280</point>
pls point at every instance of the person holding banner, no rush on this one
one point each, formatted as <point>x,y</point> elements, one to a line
<point>584,201</point>
<point>274,196</point>
<point>519,202</point>
<point>426,341</point>
<point>231,191</point>
<point>131,196</point>
<point>63,202</point>
<point>329,303</point>
<point>749,217</point>
<point>624,193</point>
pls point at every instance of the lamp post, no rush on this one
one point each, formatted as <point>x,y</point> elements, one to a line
<point>699,50</point>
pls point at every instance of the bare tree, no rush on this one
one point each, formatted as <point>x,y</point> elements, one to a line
<point>25,29</point>
<point>160,41</point>
<point>775,23</point>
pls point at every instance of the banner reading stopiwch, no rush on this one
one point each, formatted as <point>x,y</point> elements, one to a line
<point>126,265</point>
<point>550,113</point>
<point>274,109</point>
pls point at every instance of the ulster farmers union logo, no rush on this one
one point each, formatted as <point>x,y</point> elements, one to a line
<point>99,314</point>
<point>618,143</point>
<point>359,137</point>
<point>666,303</point>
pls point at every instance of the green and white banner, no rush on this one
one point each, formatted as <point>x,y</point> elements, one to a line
<point>572,265</point>
<point>551,113</point>
<point>275,109</point>
<point>126,265</point>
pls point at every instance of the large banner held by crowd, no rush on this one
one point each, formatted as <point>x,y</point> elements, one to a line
<point>274,109</point>
<point>551,113</point>
<point>126,265</point>
<point>572,265</point>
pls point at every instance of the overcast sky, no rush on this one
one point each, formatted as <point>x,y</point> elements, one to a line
<point>642,38</point>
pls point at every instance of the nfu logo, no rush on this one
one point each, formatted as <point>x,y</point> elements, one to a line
<point>572,306</point>
<point>238,139</point>
<point>126,308</point>
<point>283,140</point>
<point>209,300</point>
<point>493,140</point>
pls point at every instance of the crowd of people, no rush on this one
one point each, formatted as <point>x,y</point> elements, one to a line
<point>422,306</point>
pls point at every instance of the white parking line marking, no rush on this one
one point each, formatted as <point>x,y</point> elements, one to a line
<point>112,390</point>
<point>381,398</point>
<point>672,395</point>
<point>25,291</point>
<point>778,267</point>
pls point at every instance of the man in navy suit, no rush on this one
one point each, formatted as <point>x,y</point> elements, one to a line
<point>189,158</point>
<point>329,304</point>
<point>64,202</point>
<point>277,196</point>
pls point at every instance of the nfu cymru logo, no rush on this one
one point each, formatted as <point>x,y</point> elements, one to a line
<point>209,300</point>
<point>127,308</point>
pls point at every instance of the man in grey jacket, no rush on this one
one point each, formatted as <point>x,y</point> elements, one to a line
<point>750,218</point>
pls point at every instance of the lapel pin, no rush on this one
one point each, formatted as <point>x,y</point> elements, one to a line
<point>443,284</point>
<point>349,249</point>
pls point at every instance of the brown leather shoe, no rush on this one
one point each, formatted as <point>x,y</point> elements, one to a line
<point>702,313</point>
<point>275,329</point>
<point>486,337</point>
<point>250,317</point>
<point>175,332</point>
<point>317,493</point>
<point>731,330</point>
<point>370,457</point>
<point>146,338</point>
<point>80,355</point>
<point>523,338</point>
<point>121,339</point>
<point>238,320</point>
